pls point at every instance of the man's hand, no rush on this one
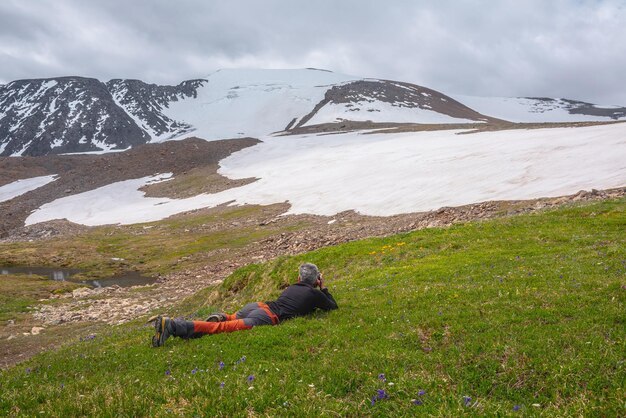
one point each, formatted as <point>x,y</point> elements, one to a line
<point>320,282</point>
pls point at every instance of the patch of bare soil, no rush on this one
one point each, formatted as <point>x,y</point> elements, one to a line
<point>369,127</point>
<point>194,182</point>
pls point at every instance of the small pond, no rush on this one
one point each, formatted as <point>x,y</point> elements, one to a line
<point>131,278</point>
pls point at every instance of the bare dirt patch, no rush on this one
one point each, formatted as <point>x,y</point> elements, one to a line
<point>369,127</point>
<point>193,182</point>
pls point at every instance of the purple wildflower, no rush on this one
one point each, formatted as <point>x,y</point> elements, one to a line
<point>250,378</point>
<point>417,402</point>
<point>62,385</point>
<point>243,359</point>
<point>221,365</point>
<point>421,393</point>
<point>467,400</point>
<point>373,400</point>
<point>382,377</point>
<point>222,385</point>
<point>194,371</point>
<point>381,394</point>
<point>517,408</point>
<point>28,370</point>
<point>167,372</point>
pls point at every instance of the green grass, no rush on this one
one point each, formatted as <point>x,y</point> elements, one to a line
<point>19,292</point>
<point>161,247</point>
<point>519,311</point>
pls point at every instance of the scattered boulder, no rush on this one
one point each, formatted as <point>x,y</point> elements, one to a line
<point>36,330</point>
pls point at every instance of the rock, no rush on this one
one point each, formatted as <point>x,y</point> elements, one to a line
<point>81,292</point>
<point>36,330</point>
<point>11,322</point>
<point>581,195</point>
<point>11,337</point>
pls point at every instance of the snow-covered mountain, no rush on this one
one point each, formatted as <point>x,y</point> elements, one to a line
<point>542,109</point>
<point>75,114</point>
<point>146,103</point>
<point>68,114</point>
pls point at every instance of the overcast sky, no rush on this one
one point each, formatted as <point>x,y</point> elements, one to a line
<point>555,48</point>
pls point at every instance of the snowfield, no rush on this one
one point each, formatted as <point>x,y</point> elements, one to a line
<point>239,103</point>
<point>381,174</point>
<point>19,187</point>
<point>528,110</point>
<point>255,103</point>
<point>378,111</point>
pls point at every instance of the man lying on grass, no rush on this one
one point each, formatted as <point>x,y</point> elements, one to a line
<point>298,299</point>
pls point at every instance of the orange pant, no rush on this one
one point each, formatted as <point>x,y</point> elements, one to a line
<point>253,314</point>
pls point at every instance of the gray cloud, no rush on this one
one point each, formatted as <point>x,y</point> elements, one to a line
<point>560,48</point>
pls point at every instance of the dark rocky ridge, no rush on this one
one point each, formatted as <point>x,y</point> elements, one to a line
<point>60,115</point>
<point>396,93</point>
<point>77,114</point>
<point>146,103</point>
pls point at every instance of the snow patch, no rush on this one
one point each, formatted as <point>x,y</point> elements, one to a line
<point>107,151</point>
<point>56,143</point>
<point>377,111</point>
<point>381,174</point>
<point>24,148</point>
<point>19,187</point>
<point>119,202</point>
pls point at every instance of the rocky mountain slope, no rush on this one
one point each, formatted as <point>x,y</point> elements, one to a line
<point>76,114</point>
<point>145,103</point>
<point>68,114</point>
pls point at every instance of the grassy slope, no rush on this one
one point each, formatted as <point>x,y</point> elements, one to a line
<point>519,311</point>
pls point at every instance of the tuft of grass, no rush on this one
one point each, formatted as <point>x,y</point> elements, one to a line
<point>523,315</point>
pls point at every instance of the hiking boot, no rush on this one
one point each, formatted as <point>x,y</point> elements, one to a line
<point>216,317</point>
<point>163,328</point>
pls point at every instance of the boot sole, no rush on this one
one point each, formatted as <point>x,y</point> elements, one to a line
<point>159,325</point>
